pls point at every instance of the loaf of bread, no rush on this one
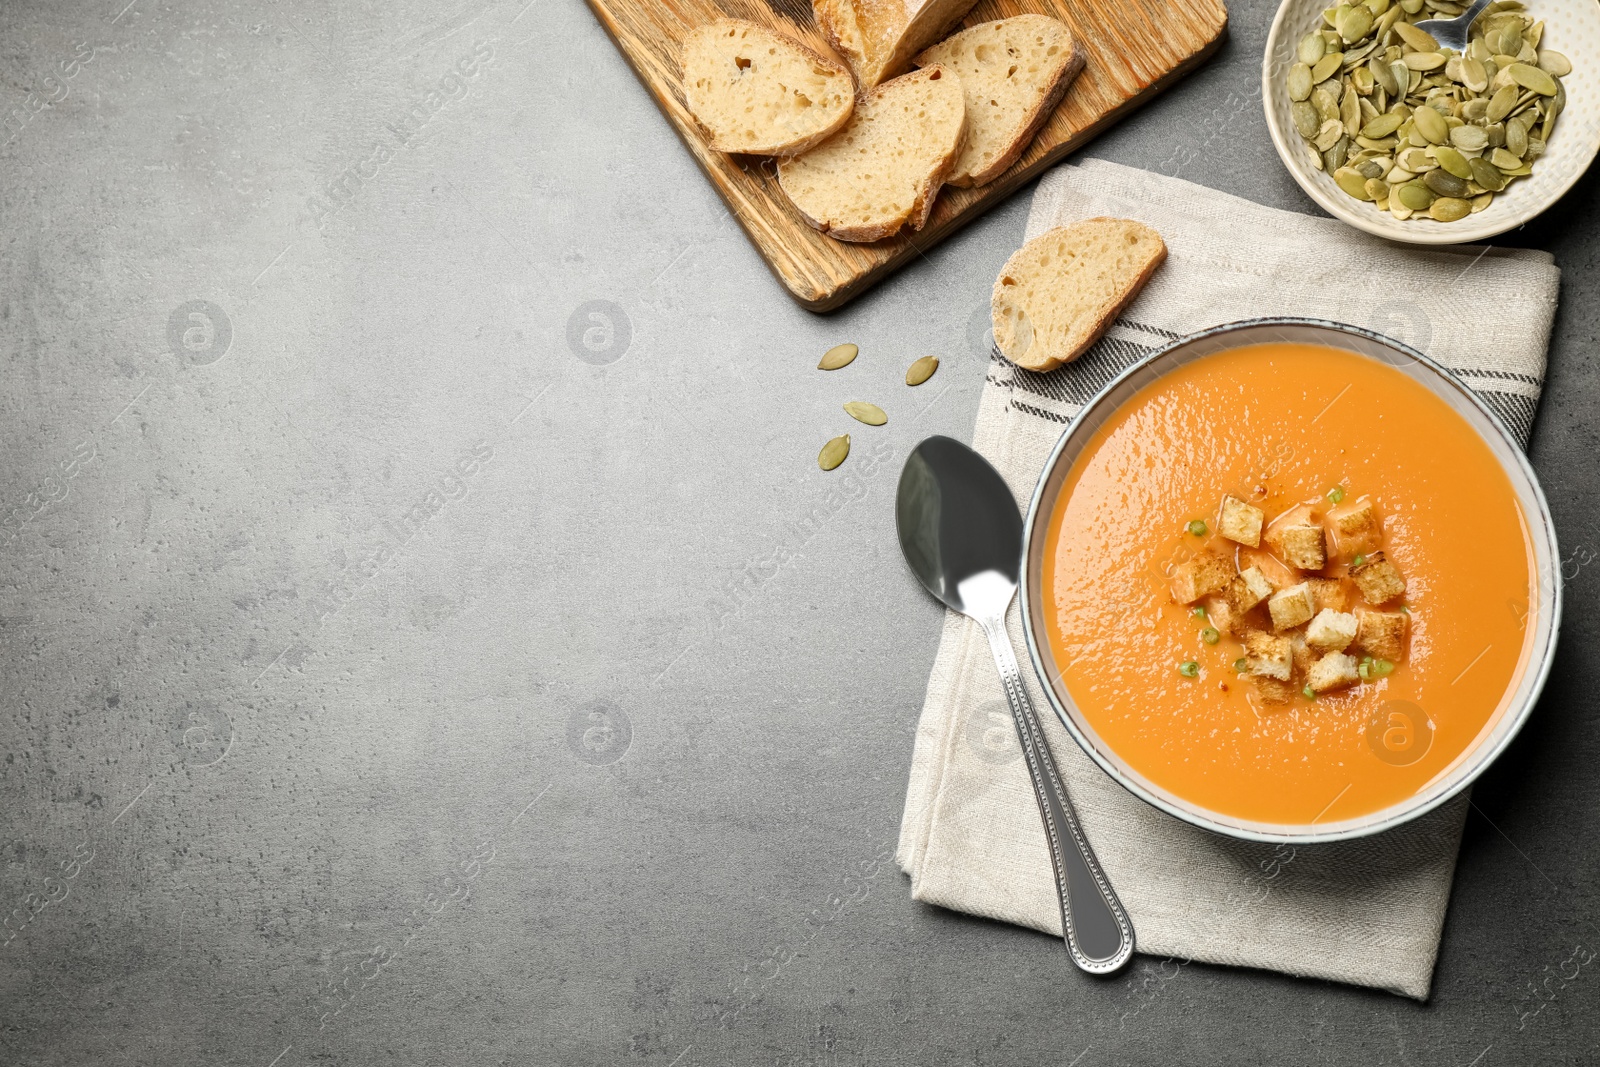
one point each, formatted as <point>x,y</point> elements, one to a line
<point>1057,294</point>
<point>885,167</point>
<point>879,37</point>
<point>757,91</point>
<point>1014,72</point>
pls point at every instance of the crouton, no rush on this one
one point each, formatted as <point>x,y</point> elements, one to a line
<point>1247,590</point>
<point>1329,594</point>
<point>1207,573</point>
<point>1383,633</point>
<point>1272,692</point>
<point>1268,655</point>
<point>1291,607</point>
<point>1331,631</point>
<point>1303,547</point>
<point>1301,656</point>
<point>1358,529</point>
<point>1378,579</point>
<point>1222,615</point>
<point>1333,671</point>
<point>1240,522</point>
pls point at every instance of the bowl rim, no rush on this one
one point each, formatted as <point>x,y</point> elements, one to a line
<point>1445,233</point>
<point>1519,715</point>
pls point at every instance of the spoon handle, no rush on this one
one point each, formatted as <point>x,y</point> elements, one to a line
<point>1097,931</point>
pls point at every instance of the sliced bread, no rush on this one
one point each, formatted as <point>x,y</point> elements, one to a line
<point>760,92</point>
<point>884,168</point>
<point>879,37</point>
<point>1014,72</point>
<point>1057,294</point>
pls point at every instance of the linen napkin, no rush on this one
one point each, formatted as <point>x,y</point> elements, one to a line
<point>1367,912</point>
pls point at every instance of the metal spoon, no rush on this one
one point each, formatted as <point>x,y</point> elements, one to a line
<point>962,535</point>
<point>1452,33</point>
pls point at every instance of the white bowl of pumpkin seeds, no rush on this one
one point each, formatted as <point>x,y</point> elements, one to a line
<point>1404,139</point>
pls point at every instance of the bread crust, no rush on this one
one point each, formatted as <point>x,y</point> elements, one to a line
<point>781,149</point>
<point>1066,73</point>
<point>1030,360</point>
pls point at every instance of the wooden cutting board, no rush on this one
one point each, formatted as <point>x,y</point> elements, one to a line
<point>1135,48</point>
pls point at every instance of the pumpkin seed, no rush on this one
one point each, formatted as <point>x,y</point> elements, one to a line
<point>922,370</point>
<point>1418,162</point>
<point>1383,75</point>
<point>1532,78</point>
<point>861,411</point>
<point>1421,40</point>
<point>1450,209</point>
<point>1306,120</point>
<point>1312,48</point>
<point>1299,82</point>
<point>1371,168</point>
<point>1474,75</point>
<point>1453,161</point>
<point>1554,63</point>
<point>1329,134</point>
<point>1430,124</point>
<point>838,356</point>
<point>1350,113</point>
<point>1481,201</point>
<point>1469,138</point>
<point>833,452</point>
<point>1443,183</point>
<point>1415,195</point>
<point>1355,23</point>
<point>1382,126</point>
<point>1424,61</point>
<point>1352,182</point>
<point>1535,150</point>
<point>1334,157</point>
<point>1327,66</point>
<point>1503,160</point>
<point>1501,103</point>
<point>1488,176</point>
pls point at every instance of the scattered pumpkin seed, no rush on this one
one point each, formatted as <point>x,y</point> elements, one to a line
<point>922,370</point>
<point>1450,209</point>
<point>838,356</point>
<point>861,411</point>
<point>834,452</point>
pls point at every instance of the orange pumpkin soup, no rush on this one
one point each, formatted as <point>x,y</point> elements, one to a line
<point>1185,681</point>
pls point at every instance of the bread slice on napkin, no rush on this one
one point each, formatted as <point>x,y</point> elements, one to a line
<point>885,167</point>
<point>879,37</point>
<point>757,91</point>
<point>1014,72</point>
<point>1057,294</point>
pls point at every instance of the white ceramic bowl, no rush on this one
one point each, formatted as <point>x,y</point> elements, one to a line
<point>1542,620</point>
<point>1572,27</point>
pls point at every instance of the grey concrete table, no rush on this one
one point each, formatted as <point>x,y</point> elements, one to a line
<point>425,636</point>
